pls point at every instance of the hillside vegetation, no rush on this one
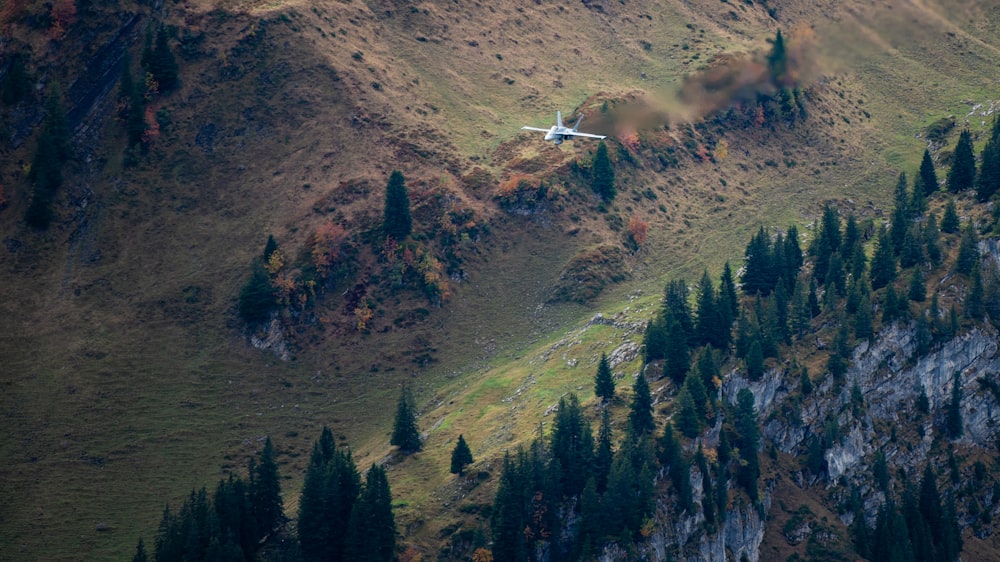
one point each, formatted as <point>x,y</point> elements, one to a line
<point>129,376</point>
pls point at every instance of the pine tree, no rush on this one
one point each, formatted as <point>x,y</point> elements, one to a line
<point>974,302</point>
<point>396,221</point>
<point>640,417</point>
<point>46,166</point>
<point>461,456</point>
<point>603,174</point>
<point>654,341</point>
<point>755,361</point>
<point>405,434</point>
<point>265,492</point>
<point>805,382</point>
<point>777,60</point>
<point>826,243</point>
<point>371,532</point>
<point>883,267</point>
<point>932,238</point>
<point>140,553</point>
<point>918,290</point>
<point>968,250</point>
<point>257,297</point>
<point>709,322</point>
<point>162,64</point>
<point>688,422</point>
<point>572,446</point>
<point>927,177</point>
<point>963,168</point>
<point>331,488</point>
<point>949,222</point>
<point>604,383</point>
<point>604,456</point>
<point>728,299</point>
<point>677,354</point>
<point>988,180</point>
<point>507,520</point>
<point>954,416</point>
<point>16,85</point>
<point>863,328</point>
<point>746,425</point>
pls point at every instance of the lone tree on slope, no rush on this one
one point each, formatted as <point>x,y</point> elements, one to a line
<point>604,385</point>
<point>405,434</point>
<point>461,456</point>
<point>397,222</point>
<point>604,174</point>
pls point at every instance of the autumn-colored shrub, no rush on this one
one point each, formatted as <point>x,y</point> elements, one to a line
<point>638,230</point>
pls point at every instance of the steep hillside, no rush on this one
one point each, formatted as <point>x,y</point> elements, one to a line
<point>128,375</point>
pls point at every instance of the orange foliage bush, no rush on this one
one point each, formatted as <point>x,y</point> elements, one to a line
<point>638,229</point>
<point>482,555</point>
<point>327,241</point>
<point>411,555</point>
<point>63,17</point>
<point>511,185</point>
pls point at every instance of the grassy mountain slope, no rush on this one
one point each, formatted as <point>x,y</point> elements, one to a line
<point>127,378</point>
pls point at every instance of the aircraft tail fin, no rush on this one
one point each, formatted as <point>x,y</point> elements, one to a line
<point>559,119</point>
<point>577,126</point>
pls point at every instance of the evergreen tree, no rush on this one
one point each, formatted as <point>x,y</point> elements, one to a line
<point>140,553</point>
<point>269,248</point>
<point>257,297</point>
<point>949,222</point>
<point>812,299</point>
<point>746,425</point>
<point>728,299</point>
<point>837,364</point>
<point>918,290</point>
<point>654,341</point>
<point>863,328</point>
<point>777,60</point>
<point>932,238</point>
<point>161,63</point>
<point>954,416</point>
<point>16,84</point>
<point>461,456</point>
<point>792,256</point>
<point>603,174</point>
<point>675,305</point>
<point>405,434</point>
<point>507,520</point>
<point>988,180</point>
<point>604,456</point>
<point>677,354</point>
<point>918,201</point>
<point>927,177</point>
<point>974,302</point>
<point>968,250</point>
<point>827,241</point>
<point>688,422</point>
<point>265,492</point>
<point>331,487</point>
<point>396,221</point>
<point>46,166</point>
<point>890,306</point>
<point>755,361</point>
<point>759,273</point>
<point>805,382</point>
<point>572,446</point>
<point>963,167</point>
<point>640,417</point>
<point>708,326</point>
<point>371,532</point>
<point>883,268</point>
<point>912,252</point>
<point>604,383</point>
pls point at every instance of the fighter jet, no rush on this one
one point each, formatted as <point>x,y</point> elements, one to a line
<point>558,133</point>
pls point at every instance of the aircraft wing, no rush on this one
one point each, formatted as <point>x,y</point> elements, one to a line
<point>535,129</point>
<point>576,134</point>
